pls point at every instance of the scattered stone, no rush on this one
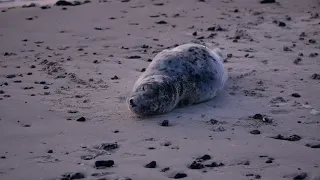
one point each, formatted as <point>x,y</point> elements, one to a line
<point>108,146</point>
<point>214,164</point>
<point>29,5</point>
<point>204,158</point>
<point>165,169</point>
<point>290,138</point>
<point>70,176</point>
<point>315,76</point>
<point>10,76</point>
<point>196,165</point>
<point>161,22</point>
<point>45,7</point>
<point>81,119</point>
<point>269,161</point>
<point>104,164</point>
<point>63,3</point>
<point>301,176</point>
<point>312,41</point>
<point>165,123</point>
<point>152,164</point>
<point>297,60</point>
<point>264,118</point>
<point>286,48</point>
<point>296,95</point>
<point>255,132</point>
<point>267,1</point>
<point>313,54</point>
<point>314,146</point>
<point>180,176</point>
<point>134,57</point>
<point>281,24</point>
<point>114,77</point>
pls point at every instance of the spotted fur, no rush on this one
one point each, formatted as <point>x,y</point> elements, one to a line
<point>182,76</point>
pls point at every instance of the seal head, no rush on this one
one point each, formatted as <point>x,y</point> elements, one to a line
<point>155,95</point>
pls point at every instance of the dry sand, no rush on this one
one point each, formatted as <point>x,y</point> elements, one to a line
<point>59,65</point>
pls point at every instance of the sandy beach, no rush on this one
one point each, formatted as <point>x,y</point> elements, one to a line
<point>66,71</point>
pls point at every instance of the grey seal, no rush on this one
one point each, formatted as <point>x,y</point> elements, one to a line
<point>185,75</point>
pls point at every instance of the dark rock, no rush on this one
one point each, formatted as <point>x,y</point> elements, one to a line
<point>290,138</point>
<point>267,1</point>
<point>50,151</point>
<point>63,3</point>
<point>255,132</point>
<point>315,146</point>
<point>32,66</point>
<point>219,28</point>
<point>214,164</point>
<point>10,76</point>
<point>312,41</point>
<point>29,73</point>
<point>45,87</point>
<point>204,157</point>
<point>3,157</point>
<point>134,57</point>
<point>96,62</point>
<point>165,123</point>
<point>297,60</point>
<point>269,161</point>
<point>104,164</point>
<point>258,116</point>
<point>108,146</point>
<point>315,76</point>
<point>195,33</point>
<point>179,176</point>
<point>1,92</point>
<point>165,169</point>
<point>296,95</point>
<point>301,176</point>
<point>236,10</point>
<point>143,70</point>
<point>286,48</point>
<point>29,5</point>
<point>281,24</point>
<point>81,119</point>
<point>115,77</point>
<point>196,165</point>
<point>45,7</point>
<point>152,164</point>
<point>77,175</point>
<point>257,176</point>
<point>211,28</point>
<point>313,54</point>
<point>161,22</point>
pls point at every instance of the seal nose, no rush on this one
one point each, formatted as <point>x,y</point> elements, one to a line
<point>132,104</point>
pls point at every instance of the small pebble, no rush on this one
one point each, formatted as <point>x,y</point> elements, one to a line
<point>104,164</point>
<point>296,95</point>
<point>180,176</point>
<point>152,164</point>
<point>255,132</point>
<point>81,119</point>
<point>165,123</point>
